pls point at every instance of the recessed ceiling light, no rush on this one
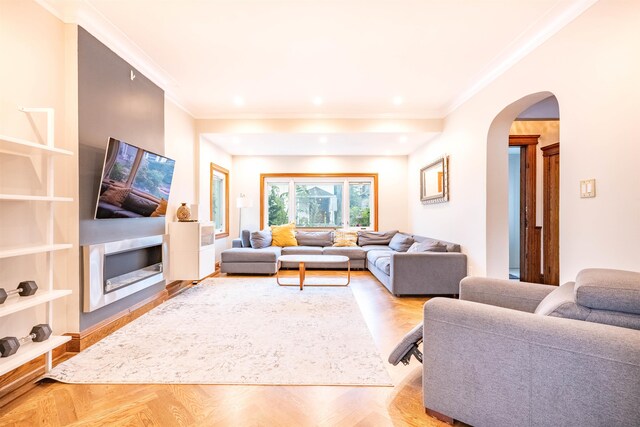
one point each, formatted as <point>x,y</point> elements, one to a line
<point>403,139</point>
<point>323,140</point>
<point>317,100</point>
<point>397,100</point>
<point>238,101</point>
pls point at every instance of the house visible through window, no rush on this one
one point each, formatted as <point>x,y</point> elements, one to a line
<point>220,200</point>
<point>320,201</point>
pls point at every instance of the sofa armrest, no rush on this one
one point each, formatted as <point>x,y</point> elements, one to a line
<point>511,294</point>
<point>427,273</point>
<point>486,365</point>
<point>236,243</point>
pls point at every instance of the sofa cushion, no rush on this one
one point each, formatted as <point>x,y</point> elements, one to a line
<point>605,289</point>
<point>352,252</point>
<point>401,242</point>
<point>284,235</point>
<point>345,238</point>
<point>366,237</point>
<point>383,263</point>
<point>139,205</point>
<point>376,248</point>
<point>260,239</point>
<point>561,303</point>
<point>302,250</point>
<point>417,247</point>
<point>314,238</point>
<point>269,254</point>
<point>372,256</point>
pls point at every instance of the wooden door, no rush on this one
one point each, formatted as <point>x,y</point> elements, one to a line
<point>529,233</point>
<point>551,214</point>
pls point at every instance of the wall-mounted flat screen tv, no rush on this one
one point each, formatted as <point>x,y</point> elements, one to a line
<point>135,182</point>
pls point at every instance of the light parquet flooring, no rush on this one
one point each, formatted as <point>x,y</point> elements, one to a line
<point>388,318</point>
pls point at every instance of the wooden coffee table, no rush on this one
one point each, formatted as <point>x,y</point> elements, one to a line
<point>309,260</point>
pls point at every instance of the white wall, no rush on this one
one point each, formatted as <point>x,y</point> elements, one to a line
<point>180,141</point>
<point>208,153</point>
<point>392,183</point>
<point>39,70</point>
<point>591,66</point>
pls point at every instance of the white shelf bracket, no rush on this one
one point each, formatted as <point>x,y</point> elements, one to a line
<point>50,121</point>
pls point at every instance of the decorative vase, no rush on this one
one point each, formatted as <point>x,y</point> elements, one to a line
<point>183,213</point>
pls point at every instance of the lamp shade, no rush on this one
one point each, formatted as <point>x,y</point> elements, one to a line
<point>244,202</point>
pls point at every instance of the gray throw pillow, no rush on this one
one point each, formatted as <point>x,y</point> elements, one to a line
<point>314,238</point>
<point>427,247</point>
<point>260,239</point>
<point>246,238</point>
<point>401,242</point>
<point>375,237</point>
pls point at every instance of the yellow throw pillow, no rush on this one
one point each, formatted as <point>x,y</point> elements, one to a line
<point>161,210</point>
<point>345,238</point>
<point>284,235</point>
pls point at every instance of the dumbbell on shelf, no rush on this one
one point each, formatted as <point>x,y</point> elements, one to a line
<point>9,345</point>
<point>24,289</point>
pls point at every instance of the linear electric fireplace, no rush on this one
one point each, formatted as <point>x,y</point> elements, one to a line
<point>118,269</point>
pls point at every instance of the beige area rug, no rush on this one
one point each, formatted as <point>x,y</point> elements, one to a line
<point>238,331</point>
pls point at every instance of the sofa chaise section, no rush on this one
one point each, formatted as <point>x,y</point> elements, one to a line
<point>239,260</point>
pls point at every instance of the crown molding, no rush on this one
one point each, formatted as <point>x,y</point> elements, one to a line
<point>431,115</point>
<point>524,45</point>
<point>82,13</point>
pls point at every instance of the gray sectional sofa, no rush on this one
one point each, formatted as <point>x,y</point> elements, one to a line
<point>434,271</point>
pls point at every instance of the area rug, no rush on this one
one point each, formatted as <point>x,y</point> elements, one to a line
<point>238,331</point>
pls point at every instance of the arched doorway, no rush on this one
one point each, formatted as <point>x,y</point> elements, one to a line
<point>497,222</point>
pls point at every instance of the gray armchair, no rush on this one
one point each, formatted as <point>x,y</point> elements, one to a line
<point>523,354</point>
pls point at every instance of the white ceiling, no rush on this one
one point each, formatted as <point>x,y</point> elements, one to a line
<point>316,144</point>
<point>356,54</point>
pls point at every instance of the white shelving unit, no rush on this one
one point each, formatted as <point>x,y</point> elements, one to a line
<point>46,294</point>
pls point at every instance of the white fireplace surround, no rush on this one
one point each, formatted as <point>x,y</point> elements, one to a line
<point>97,292</point>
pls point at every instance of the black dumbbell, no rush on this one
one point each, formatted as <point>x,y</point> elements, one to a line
<point>9,345</point>
<point>24,289</point>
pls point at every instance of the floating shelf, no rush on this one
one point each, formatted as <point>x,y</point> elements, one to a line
<point>28,198</point>
<point>22,146</point>
<point>15,304</point>
<point>28,250</point>
<point>30,351</point>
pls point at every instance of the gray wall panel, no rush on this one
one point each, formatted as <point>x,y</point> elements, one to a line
<point>110,104</point>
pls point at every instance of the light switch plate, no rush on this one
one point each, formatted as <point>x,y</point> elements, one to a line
<point>588,188</point>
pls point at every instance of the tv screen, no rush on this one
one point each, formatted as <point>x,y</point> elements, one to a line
<point>135,182</point>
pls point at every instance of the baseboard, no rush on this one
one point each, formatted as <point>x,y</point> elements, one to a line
<point>88,337</point>
<point>19,381</point>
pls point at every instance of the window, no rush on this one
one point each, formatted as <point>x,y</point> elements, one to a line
<point>219,203</point>
<point>277,203</point>
<point>319,200</point>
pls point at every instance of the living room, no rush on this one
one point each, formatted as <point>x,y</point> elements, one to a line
<point>414,83</point>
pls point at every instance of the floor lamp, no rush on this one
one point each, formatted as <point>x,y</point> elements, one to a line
<point>242,202</point>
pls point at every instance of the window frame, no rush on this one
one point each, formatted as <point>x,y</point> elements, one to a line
<point>213,169</point>
<point>345,178</point>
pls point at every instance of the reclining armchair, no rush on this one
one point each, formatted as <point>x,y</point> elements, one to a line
<point>522,354</point>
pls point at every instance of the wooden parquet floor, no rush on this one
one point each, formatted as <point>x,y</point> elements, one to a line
<point>388,318</point>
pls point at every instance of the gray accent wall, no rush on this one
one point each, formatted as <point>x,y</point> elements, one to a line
<point>111,104</point>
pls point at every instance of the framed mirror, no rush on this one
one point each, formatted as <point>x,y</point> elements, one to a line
<point>434,181</point>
